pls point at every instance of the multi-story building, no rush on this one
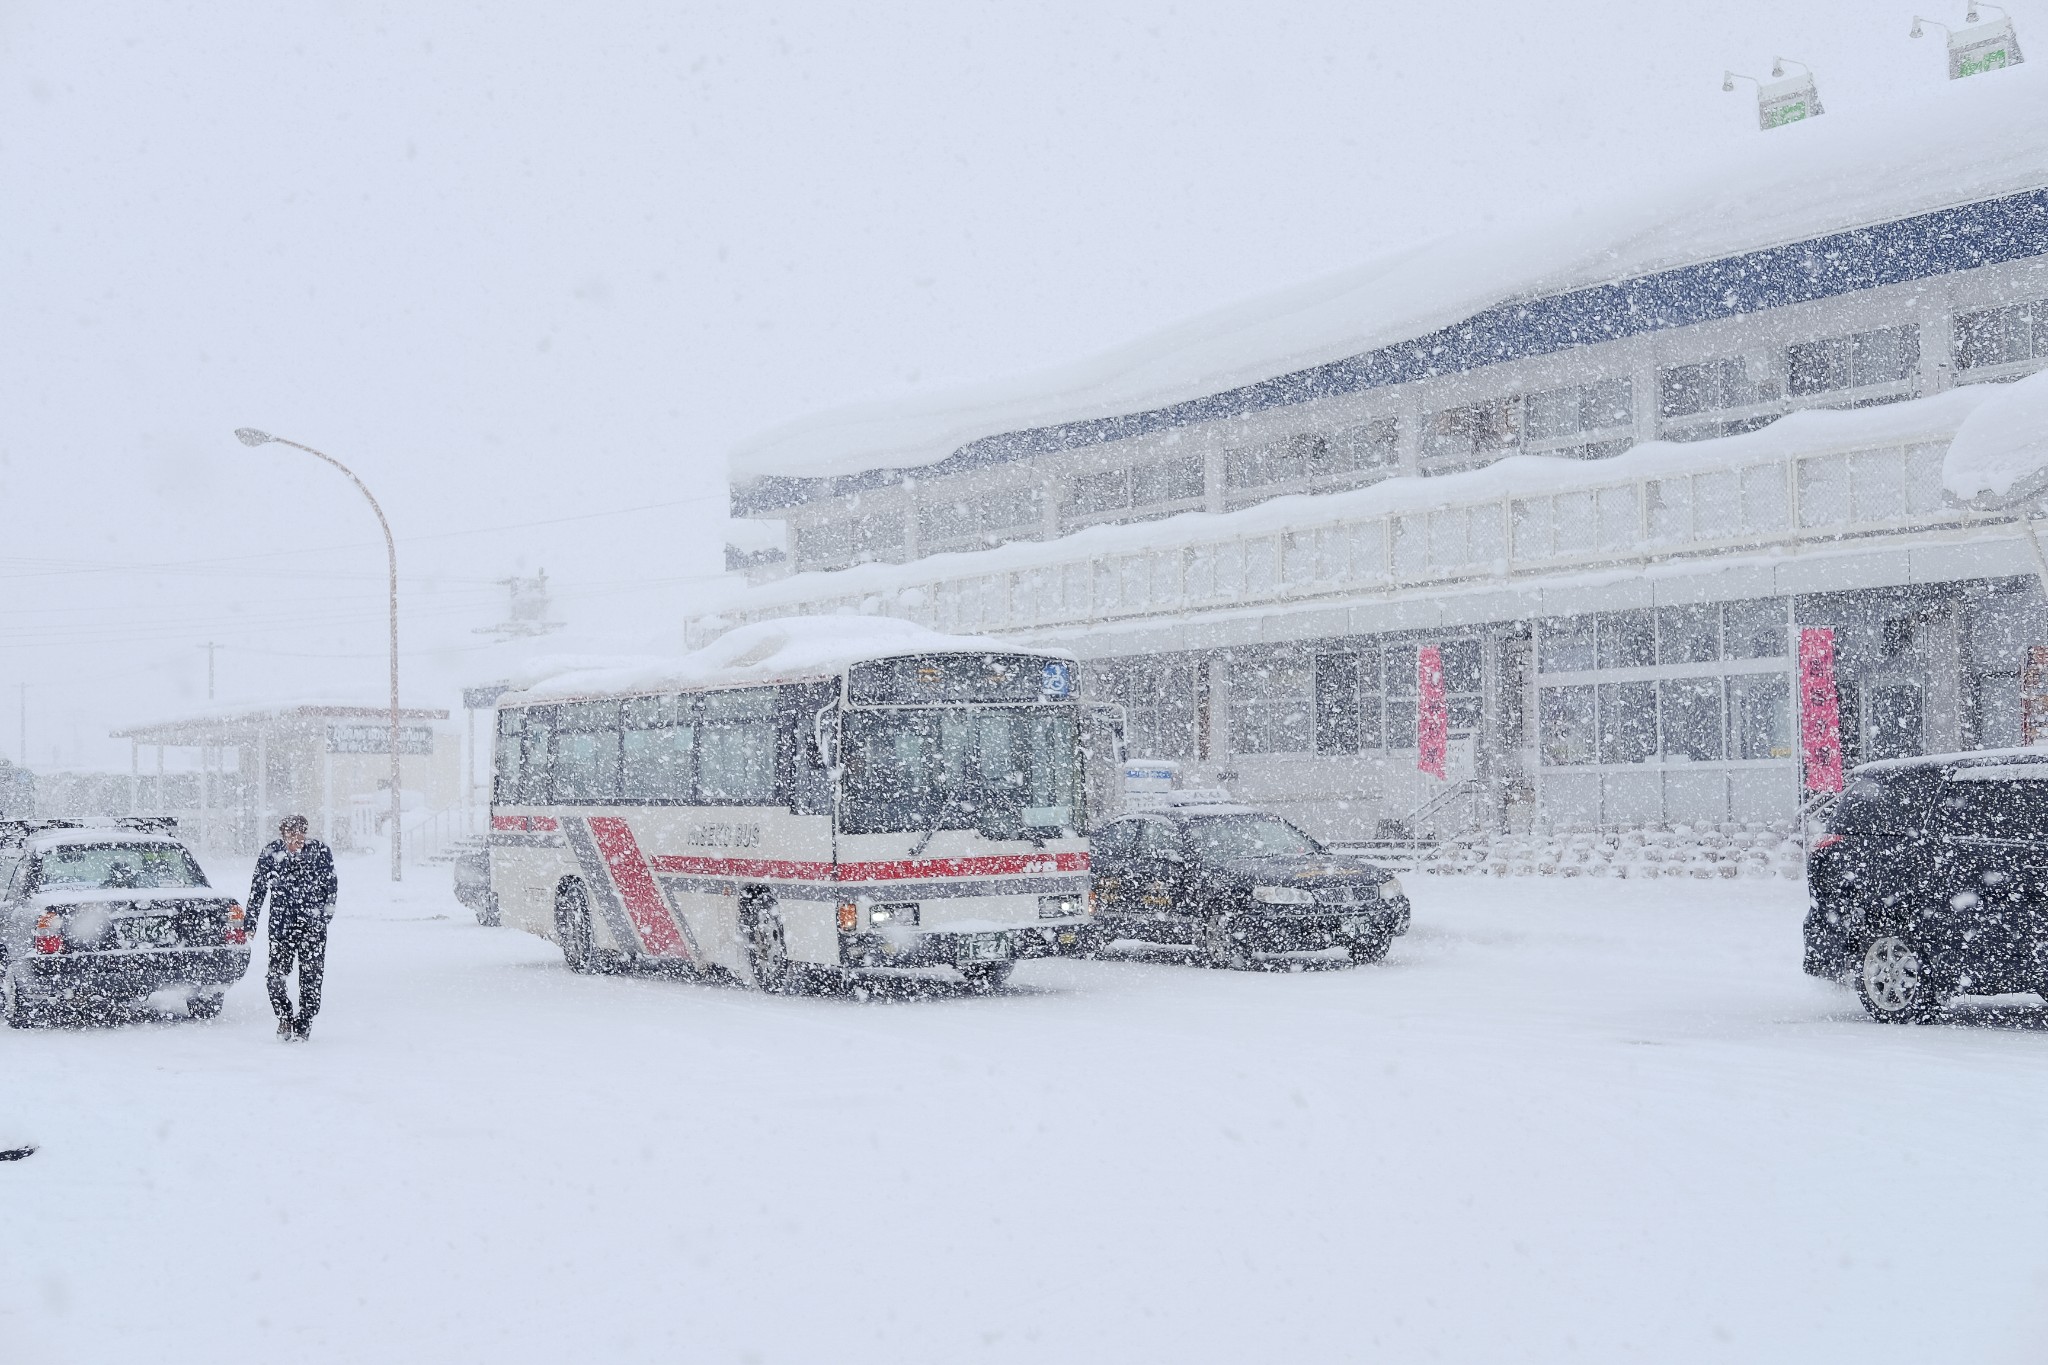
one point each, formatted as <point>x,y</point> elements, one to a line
<point>1610,492</point>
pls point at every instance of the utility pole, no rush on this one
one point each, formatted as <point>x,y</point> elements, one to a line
<point>209,647</point>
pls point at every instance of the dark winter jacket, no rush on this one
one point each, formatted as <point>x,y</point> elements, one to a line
<point>298,884</point>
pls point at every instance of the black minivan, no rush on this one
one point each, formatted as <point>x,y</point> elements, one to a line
<point>1932,881</point>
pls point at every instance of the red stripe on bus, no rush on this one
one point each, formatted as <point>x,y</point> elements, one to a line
<point>1007,864</point>
<point>1011,864</point>
<point>744,867</point>
<point>643,900</point>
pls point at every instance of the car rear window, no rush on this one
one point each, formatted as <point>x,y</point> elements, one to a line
<point>1892,803</point>
<point>115,866</point>
<point>1996,804</point>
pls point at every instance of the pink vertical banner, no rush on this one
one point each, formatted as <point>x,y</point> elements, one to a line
<point>1432,712</point>
<point>1820,732</point>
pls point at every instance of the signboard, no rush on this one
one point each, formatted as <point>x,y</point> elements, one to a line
<point>1820,733</point>
<point>1787,101</point>
<point>375,738</point>
<point>2034,696</point>
<point>1982,47</point>
<point>485,697</point>
<point>1151,775</point>
<point>1432,712</point>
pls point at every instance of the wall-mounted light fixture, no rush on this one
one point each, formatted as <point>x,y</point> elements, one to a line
<point>1782,99</point>
<point>1981,46</point>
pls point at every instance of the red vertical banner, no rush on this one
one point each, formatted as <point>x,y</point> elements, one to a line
<point>1820,732</point>
<point>1432,711</point>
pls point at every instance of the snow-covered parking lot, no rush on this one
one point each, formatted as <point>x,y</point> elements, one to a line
<point>1581,1120</point>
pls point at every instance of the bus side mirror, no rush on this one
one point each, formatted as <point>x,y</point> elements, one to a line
<point>825,735</point>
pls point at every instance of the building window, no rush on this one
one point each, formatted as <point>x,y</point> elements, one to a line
<point>1472,433</point>
<point>1710,386</point>
<point>1991,337</point>
<point>1158,697</point>
<point>1356,449</point>
<point>1584,421</point>
<point>1566,717</point>
<point>1150,486</point>
<point>988,518</point>
<point>1272,701</point>
<point>1760,716</point>
<point>1889,355</point>
<point>854,540</point>
<point>1691,715</point>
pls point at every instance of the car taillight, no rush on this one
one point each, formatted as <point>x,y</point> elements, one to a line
<point>1826,841</point>
<point>849,917</point>
<point>238,924</point>
<point>49,935</point>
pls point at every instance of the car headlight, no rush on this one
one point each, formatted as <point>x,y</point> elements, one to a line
<point>1283,895</point>
<point>1390,889</point>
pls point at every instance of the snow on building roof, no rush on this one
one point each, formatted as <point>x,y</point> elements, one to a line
<point>789,649</point>
<point>239,723</point>
<point>1954,144</point>
<point>2000,453</point>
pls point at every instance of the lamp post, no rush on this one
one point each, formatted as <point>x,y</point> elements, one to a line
<point>249,436</point>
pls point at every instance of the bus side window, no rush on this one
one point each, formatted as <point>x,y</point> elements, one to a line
<point>536,757</point>
<point>660,753</point>
<point>505,776</point>
<point>736,747</point>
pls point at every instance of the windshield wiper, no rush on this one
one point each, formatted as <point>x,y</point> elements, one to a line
<point>938,816</point>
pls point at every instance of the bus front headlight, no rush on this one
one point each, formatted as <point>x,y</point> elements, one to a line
<point>1066,905</point>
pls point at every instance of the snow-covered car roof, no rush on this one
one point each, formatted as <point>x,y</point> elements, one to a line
<point>790,649</point>
<point>58,838</point>
<point>1969,758</point>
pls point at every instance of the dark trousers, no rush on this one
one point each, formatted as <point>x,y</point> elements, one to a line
<point>296,941</point>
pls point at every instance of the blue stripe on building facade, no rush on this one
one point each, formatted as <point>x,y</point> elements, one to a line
<point>1990,232</point>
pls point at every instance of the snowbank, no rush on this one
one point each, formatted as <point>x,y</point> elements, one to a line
<point>1926,151</point>
<point>769,651</point>
<point>2001,450</point>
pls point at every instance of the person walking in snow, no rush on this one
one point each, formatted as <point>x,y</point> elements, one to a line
<point>297,875</point>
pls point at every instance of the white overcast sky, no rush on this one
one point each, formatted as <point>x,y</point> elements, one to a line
<point>528,265</point>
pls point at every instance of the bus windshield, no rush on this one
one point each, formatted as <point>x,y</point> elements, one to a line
<point>1008,772</point>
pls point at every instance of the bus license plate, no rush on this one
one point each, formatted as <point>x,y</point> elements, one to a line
<point>987,948</point>
<point>154,932</point>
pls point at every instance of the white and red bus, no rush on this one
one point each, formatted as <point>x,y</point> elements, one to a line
<point>802,796</point>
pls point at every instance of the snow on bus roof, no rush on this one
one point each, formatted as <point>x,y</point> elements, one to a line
<point>782,650</point>
<point>1957,142</point>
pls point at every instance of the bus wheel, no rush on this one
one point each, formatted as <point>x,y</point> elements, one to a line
<point>572,927</point>
<point>767,953</point>
<point>985,977</point>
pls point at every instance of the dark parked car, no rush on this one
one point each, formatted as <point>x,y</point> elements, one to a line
<point>1237,885</point>
<point>1932,881</point>
<point>96,916</point>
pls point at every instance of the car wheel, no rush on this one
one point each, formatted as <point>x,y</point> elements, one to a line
<point>767,950</point>
<point>1219,947</point>
<point>984,978</point>
<point>205,1004</point>
<point>488,914</point>
<point>19,1012</point>
<point>1896,982</point>
<point>572,927</point>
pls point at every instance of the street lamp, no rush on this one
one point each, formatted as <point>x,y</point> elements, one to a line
<point>249,436</point>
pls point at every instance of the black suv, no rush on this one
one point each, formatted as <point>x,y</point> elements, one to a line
<point>1236,885</point>
<point>1932,882</point>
